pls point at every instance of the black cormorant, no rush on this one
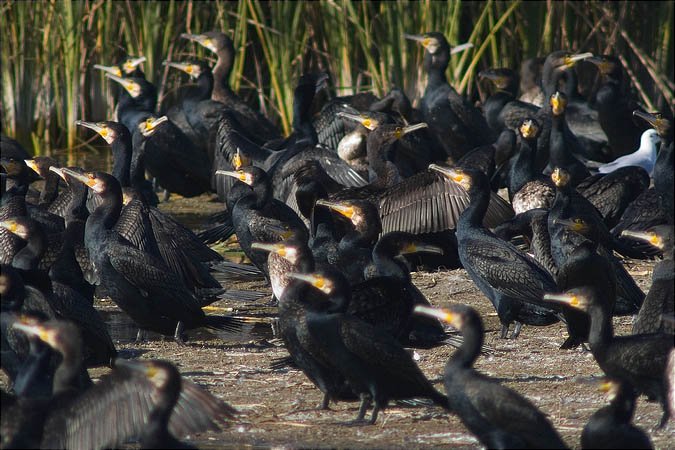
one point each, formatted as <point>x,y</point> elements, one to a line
<point>511,280</point>
<point>498,416</point>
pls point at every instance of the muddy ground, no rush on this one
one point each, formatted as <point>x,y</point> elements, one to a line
<point>279,407</point>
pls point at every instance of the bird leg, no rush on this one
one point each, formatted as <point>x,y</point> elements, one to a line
<point>141,336</point>
<point>179,335</point>
<point>365,404</point>
<point>505,331</point>
<point>516,330</point>
<point>376,410</point>
<point>325,402</point>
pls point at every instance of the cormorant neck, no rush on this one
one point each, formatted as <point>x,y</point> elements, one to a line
<point>623,405</point>
<point>67,375</point>
<point>105,216</point>
<point>474,214</point>
<point>522,170</point>
<point>221,74</point>
<point>137,166</point>
<point>122,152</point>
<point>376,147</point>
<point>472,341</point>
<point>302,120</point>
<point>436,77</point>
<point>601,332</point>
<point>205,85</point>
<point>263,192</point>
<point>29,256</point>
<point>50,190</point>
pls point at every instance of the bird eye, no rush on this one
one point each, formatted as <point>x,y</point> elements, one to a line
<point>579,221</point>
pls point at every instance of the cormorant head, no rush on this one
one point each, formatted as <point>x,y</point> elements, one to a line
<point>462,177</point>
<point>660,236</point>
<point>99,182</point>
<point>369,121</point>
<point>560,177</point>
<point>14,167</point>
<point>562,60</point>
<point>130,64</point>
<point>610,387</point>
<point>390,132</point>
<point>159,373</point>
<point>578,298</point>
<point>606,64</point>
<point>360,212</point>
<point>108,130</point>
<point>249,174</point>
<point>212,40</point>
<point>194,69</point>
<point>558,102</point>
<point>134,86</point>
<point>395,101</point>
<point>660,123</point>
<point>149,125</point>
<point>41,164</point>
<point>580,226</point>
<point>529,128</point>
<point>502,79</point>
<point>436,49</point>
<point>328,281</point>
<point>456,315</point>
<point>287,250</point>
<point>60,335</point>
<point>22,227</point>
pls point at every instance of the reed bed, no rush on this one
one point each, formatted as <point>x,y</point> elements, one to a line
<point>48,49</point>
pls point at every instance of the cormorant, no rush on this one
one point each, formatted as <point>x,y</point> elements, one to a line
<point>511,280</point>
<point>457,125</point>
<point>153,296</point>
<point>372,361</point>
<point>610,427</point>
<point>255,210</point>
<point>498,416</point>
<point>253,124</point>
<point>158,404</point>
<point>561,147</point>
<point>661,296</point>
<point>528,189</point>
<point>639,360</point>
<point>615,106</point>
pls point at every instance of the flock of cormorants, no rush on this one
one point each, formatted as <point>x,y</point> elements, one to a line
<point>335,216</point>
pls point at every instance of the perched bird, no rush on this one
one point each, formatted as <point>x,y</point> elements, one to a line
<point>645,156</point>
<point>457,125</point>
<point>153,296</point>
<point>372,361</point>
<point>610,427</point>
<point>498,416</point>
<point>639,360</point>
<point>660,300</point>
<point>157,403</point>
<point>511,280</point>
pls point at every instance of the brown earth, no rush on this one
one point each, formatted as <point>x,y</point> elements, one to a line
<point>279,407</point>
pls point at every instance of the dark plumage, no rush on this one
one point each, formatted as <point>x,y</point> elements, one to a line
<point>140,284</point>
<point>374,364</point>
<point>512,281</point>
<point>457,125</point>
<point>639,360</point>
<point>610,427</point>
<point>660,299</point>
<point>498,416</point>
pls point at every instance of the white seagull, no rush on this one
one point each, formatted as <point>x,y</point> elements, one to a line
<point>645,156</point>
